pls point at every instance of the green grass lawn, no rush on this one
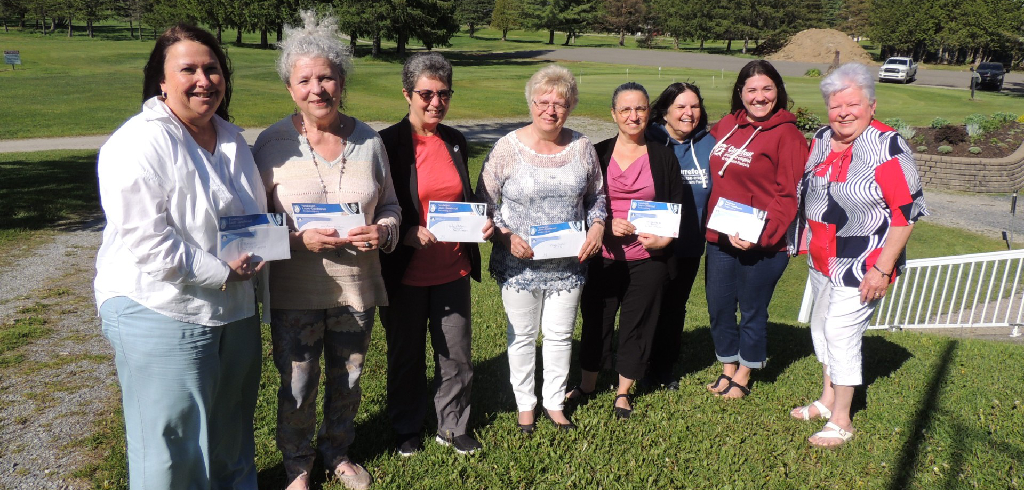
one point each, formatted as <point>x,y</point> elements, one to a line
<point>937,412</point>
<point>82,86</point>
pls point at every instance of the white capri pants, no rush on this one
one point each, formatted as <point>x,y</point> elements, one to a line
<point>552,313</point>
<point>838,322</point>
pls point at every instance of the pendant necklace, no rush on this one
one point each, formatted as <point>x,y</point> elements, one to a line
<point>316,164</point>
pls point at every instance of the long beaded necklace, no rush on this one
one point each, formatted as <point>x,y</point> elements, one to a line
<point>316,164</point>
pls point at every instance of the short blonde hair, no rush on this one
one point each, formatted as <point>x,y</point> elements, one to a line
<point>556,78</point>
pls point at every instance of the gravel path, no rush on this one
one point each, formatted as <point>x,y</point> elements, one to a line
<point>52,400</point>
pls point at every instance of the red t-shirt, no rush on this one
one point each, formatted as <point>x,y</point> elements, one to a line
<point>436,180</point>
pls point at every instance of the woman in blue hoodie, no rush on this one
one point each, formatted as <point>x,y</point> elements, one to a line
<point>679,121</point>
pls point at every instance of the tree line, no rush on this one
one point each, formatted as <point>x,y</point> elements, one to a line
<point>944,31</point>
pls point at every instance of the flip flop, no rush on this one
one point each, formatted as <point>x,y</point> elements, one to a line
<point>732,384</point>
<point>713,387</point>
<point>805,411</point>
<point>836,432</point>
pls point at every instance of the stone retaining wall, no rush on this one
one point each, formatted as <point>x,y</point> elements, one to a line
<point>987,175</point>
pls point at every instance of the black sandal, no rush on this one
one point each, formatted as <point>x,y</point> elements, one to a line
<point>581,398</point>
<point>622,413</point>
<point>715,388</point>
<point>732,384</point>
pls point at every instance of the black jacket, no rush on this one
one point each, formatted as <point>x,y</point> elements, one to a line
<point>668,184</point>
<point>402,159</point>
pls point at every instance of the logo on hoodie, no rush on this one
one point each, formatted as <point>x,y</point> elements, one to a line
<point>739,156</point>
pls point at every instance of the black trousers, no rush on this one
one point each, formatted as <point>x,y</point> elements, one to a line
<point>668,334</point>
<point>633,289</point>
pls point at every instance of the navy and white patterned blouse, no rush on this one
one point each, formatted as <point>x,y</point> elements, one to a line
<point>850,199</point>
<point>522,188</point>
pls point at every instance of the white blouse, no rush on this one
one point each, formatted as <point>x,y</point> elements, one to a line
<point>162,196</point>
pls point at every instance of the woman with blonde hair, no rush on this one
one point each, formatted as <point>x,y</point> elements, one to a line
<point>542,173</point>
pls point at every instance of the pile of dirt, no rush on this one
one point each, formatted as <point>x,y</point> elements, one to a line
<point>820,46</point>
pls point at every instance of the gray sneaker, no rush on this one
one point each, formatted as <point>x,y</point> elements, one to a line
<point>464,444</point>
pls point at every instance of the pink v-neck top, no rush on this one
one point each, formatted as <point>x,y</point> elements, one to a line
<point>623,186</point>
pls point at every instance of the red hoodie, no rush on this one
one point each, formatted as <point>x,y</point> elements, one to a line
<point>763,173</point>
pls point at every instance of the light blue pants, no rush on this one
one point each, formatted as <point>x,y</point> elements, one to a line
<point>189,394</point>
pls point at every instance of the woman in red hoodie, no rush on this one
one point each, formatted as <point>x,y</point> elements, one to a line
<point>757,162</point>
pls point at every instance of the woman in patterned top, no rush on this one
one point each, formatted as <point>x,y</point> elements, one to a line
<point>536,175</point>
<point>861,196</point>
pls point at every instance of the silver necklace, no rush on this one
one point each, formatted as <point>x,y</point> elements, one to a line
<point>312,154</point>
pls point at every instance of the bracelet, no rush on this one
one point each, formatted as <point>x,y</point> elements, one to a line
<point>875,266</point>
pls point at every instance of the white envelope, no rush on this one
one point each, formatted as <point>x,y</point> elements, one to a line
<point>263,235</point>
<point>456,221</point>
<point>341,217</point>
<point>731,217</point>
<point>655,218</point>
<point>557,240</point>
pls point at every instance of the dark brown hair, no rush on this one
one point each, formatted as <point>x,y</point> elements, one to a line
<point>752,69</point>
<point>153,73</point>
<point>668,97</point>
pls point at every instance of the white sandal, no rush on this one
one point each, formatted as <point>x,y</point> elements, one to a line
<point>836,432</point>
<point>805,411</point>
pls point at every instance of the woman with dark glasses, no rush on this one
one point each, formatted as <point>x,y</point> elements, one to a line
<point>428,281</point>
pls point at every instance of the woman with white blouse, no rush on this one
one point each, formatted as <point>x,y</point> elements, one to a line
<point>535,175</point>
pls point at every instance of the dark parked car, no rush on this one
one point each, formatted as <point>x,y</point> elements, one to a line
<point>991,75</point>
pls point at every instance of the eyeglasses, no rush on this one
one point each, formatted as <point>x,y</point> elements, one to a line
<point>640,110</point>
<point>544,106</point>
<point>428,95</point>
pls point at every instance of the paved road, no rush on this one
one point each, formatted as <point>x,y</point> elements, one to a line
<point>1014,81</point>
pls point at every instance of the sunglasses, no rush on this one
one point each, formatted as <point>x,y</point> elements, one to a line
<point>428,95</point>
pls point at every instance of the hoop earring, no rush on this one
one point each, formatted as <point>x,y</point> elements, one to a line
<point>163,95</point>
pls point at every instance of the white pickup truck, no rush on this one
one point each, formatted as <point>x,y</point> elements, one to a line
<point>902,70</point>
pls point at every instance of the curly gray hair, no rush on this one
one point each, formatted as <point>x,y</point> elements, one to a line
<point>313,40</point>
<point>430,65</point>
<point>848,75</point>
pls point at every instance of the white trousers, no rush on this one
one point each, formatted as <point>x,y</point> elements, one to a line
<point>552,313</point>
<point>838,322</point>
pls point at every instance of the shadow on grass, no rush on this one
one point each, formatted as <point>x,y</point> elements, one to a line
<point>40,191</point>
<point>788,344</point>
<point>907,462</point>
<point>374,437</point>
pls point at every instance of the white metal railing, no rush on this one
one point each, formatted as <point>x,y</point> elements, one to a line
<point>976,290</point>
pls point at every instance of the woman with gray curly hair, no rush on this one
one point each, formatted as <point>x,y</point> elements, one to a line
<point>324,297</point>
<point>861,197</point>
<point>542,174</point>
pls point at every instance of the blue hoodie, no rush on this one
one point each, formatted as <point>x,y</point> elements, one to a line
<point>691,230</point>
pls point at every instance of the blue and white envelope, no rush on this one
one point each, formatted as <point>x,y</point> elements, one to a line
<point>263,235</point>
<point>731,217</point>
<point>341,217</point>
<point>655,218</point>
<point>456,221</point>
<point>557,240</point>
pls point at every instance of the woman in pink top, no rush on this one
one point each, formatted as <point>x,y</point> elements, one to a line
<point>630,275</point>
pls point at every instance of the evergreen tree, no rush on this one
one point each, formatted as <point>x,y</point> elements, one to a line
<point>474,13</point>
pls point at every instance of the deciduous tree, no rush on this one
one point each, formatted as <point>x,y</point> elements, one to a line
<point>507,15</point>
